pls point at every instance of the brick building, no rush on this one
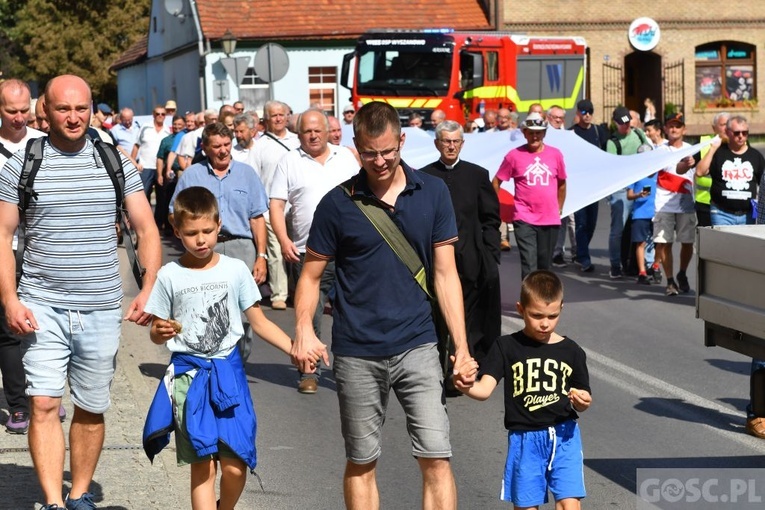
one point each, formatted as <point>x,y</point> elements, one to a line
<point>704,59</point>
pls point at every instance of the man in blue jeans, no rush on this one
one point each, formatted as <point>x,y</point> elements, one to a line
<point>586,218</point>
<point>626,141</point>
<point>736,170</point>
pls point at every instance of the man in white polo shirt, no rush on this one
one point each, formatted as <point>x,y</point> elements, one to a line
<point>302,178</point>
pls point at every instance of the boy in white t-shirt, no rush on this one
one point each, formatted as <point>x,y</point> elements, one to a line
<point>197,303</point>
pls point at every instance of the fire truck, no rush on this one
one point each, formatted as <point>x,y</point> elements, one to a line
<point>464,73</point>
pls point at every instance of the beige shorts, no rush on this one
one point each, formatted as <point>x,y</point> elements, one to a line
<point>671,227</point>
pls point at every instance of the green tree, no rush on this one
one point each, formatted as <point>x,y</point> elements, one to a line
<point>82,37</point>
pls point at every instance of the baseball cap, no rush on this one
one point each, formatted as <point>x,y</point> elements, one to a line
<point>104,108</point>
<point>621,115</point>
<point>674,118</point>
<point>349,108</point>
<point>585,105</point>
<point>535,122</point>
<point>170,105</point>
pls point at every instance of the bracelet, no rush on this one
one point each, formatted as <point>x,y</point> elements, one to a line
<point>263,255</point>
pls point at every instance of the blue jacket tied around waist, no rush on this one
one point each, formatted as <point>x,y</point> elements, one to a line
<point>218,408</point>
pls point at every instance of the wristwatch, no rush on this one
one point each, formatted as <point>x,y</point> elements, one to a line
<point>263,255</point>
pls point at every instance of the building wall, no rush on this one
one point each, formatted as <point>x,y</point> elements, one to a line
<point>683,27</point>
<point>293,89</point>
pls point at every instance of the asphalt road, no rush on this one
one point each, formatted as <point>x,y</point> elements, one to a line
<point>661,400</point>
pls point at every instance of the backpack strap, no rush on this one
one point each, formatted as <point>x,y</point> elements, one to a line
<point>32,160</point>
<point>111,160</point>
<point>617,144</point>
<point>5,152</point>
<point>393,236</point>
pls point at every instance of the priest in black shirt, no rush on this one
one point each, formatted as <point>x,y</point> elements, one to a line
<point>477,249</point>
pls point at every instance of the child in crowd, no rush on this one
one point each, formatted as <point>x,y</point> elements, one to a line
<point>546,384</point>
<point>197,303</point>
<point>643,193</point>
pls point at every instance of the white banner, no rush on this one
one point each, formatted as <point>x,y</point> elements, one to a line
<point>592,173</point>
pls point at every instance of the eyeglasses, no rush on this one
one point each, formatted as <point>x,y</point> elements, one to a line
<point>558,117</point>
<point>387,154</point>
<point>446,141</point>
<point>585,112</point>
<point>740,133</point>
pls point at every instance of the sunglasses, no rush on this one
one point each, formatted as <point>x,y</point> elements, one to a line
<point>348,111</point>
<point>585,112</point>
<point>740,133</point>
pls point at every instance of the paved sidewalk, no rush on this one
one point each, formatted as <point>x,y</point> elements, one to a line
<point>125,479</point>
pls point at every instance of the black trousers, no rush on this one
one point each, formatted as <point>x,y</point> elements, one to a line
<point>535,245</point>
<point>14,381</point>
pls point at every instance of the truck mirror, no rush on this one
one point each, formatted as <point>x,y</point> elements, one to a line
<point>345,72</point>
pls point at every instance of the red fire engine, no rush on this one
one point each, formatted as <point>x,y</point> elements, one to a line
<point>465,73</point>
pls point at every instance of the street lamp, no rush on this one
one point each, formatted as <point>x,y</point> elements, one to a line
<point>229,42</point>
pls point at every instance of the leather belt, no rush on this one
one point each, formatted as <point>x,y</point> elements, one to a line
<point>222,237</point>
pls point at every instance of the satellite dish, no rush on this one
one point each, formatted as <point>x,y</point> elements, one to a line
<point>174,7</point>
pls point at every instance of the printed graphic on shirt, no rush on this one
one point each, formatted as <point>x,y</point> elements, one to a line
<point>539,382</point>
<point>737,175</point>
<point>207,306</point>
<point>538,174</point>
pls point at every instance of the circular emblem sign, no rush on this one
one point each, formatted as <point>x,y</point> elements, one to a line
<point>644,34</point>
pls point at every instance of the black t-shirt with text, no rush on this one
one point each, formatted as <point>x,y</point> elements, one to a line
<point>735,178</point>
<point>538,378</point>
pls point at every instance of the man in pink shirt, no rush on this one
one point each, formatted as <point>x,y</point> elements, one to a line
<point>539,174</point>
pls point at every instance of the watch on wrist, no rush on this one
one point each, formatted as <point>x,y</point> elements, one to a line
<point>263,255</point>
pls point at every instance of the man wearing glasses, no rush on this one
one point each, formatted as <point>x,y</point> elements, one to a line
<point>477,249</point>
<point>736,169</point>
<point>146,148</point>
<point>586,218</point>
<point>383,336</point>
<point>348,112</point>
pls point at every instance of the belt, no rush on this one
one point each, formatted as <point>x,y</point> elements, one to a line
<point>223,237</point>
<point>728,211</point>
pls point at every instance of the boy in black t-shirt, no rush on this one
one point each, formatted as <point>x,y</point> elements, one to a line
<point>547,383</point>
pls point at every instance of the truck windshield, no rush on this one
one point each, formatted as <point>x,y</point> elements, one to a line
<point>418,72</point>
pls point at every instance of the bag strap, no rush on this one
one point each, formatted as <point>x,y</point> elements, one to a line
<point>5,152</point>
<point>393,236</point>
<point>111,160</point>
<point>32,161</point>
<point>272,137</point>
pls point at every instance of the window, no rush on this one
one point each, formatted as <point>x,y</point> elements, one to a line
<point>492,65</point>
<point>725,73</point>
<point>253,91</point>
<point>322,87</point>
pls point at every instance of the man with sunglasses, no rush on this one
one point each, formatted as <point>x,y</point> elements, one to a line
<point>146,148</point>
<point>587,217</point>
<point>736,170</point>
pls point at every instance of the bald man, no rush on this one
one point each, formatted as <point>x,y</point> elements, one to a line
<point>61,314</point>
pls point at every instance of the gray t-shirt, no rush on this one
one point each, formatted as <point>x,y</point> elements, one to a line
<point>70,259</point>
<point>208,304</point>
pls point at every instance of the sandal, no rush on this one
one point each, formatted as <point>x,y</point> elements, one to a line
<point>756,427</point>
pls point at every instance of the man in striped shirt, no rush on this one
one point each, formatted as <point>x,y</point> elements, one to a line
<point>67,306</point>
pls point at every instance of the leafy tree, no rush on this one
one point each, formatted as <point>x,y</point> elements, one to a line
<point>82,37</point>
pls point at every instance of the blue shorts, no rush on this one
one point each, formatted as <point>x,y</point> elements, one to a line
<point>79,345</point>
<point>539,460</point>
<point>642,230</point>
<point>364,386</point>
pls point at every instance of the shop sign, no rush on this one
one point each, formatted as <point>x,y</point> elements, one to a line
<point>644,34</point>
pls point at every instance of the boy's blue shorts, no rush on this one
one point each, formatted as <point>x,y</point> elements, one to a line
<point>539,460</point>
<point>642,230</point>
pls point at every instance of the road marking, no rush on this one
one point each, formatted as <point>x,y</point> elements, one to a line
<point>641,385</point>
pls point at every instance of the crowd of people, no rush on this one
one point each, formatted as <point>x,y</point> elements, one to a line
<point>275,210</point>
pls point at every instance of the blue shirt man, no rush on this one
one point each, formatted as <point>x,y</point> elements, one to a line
<point>242,200</point>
